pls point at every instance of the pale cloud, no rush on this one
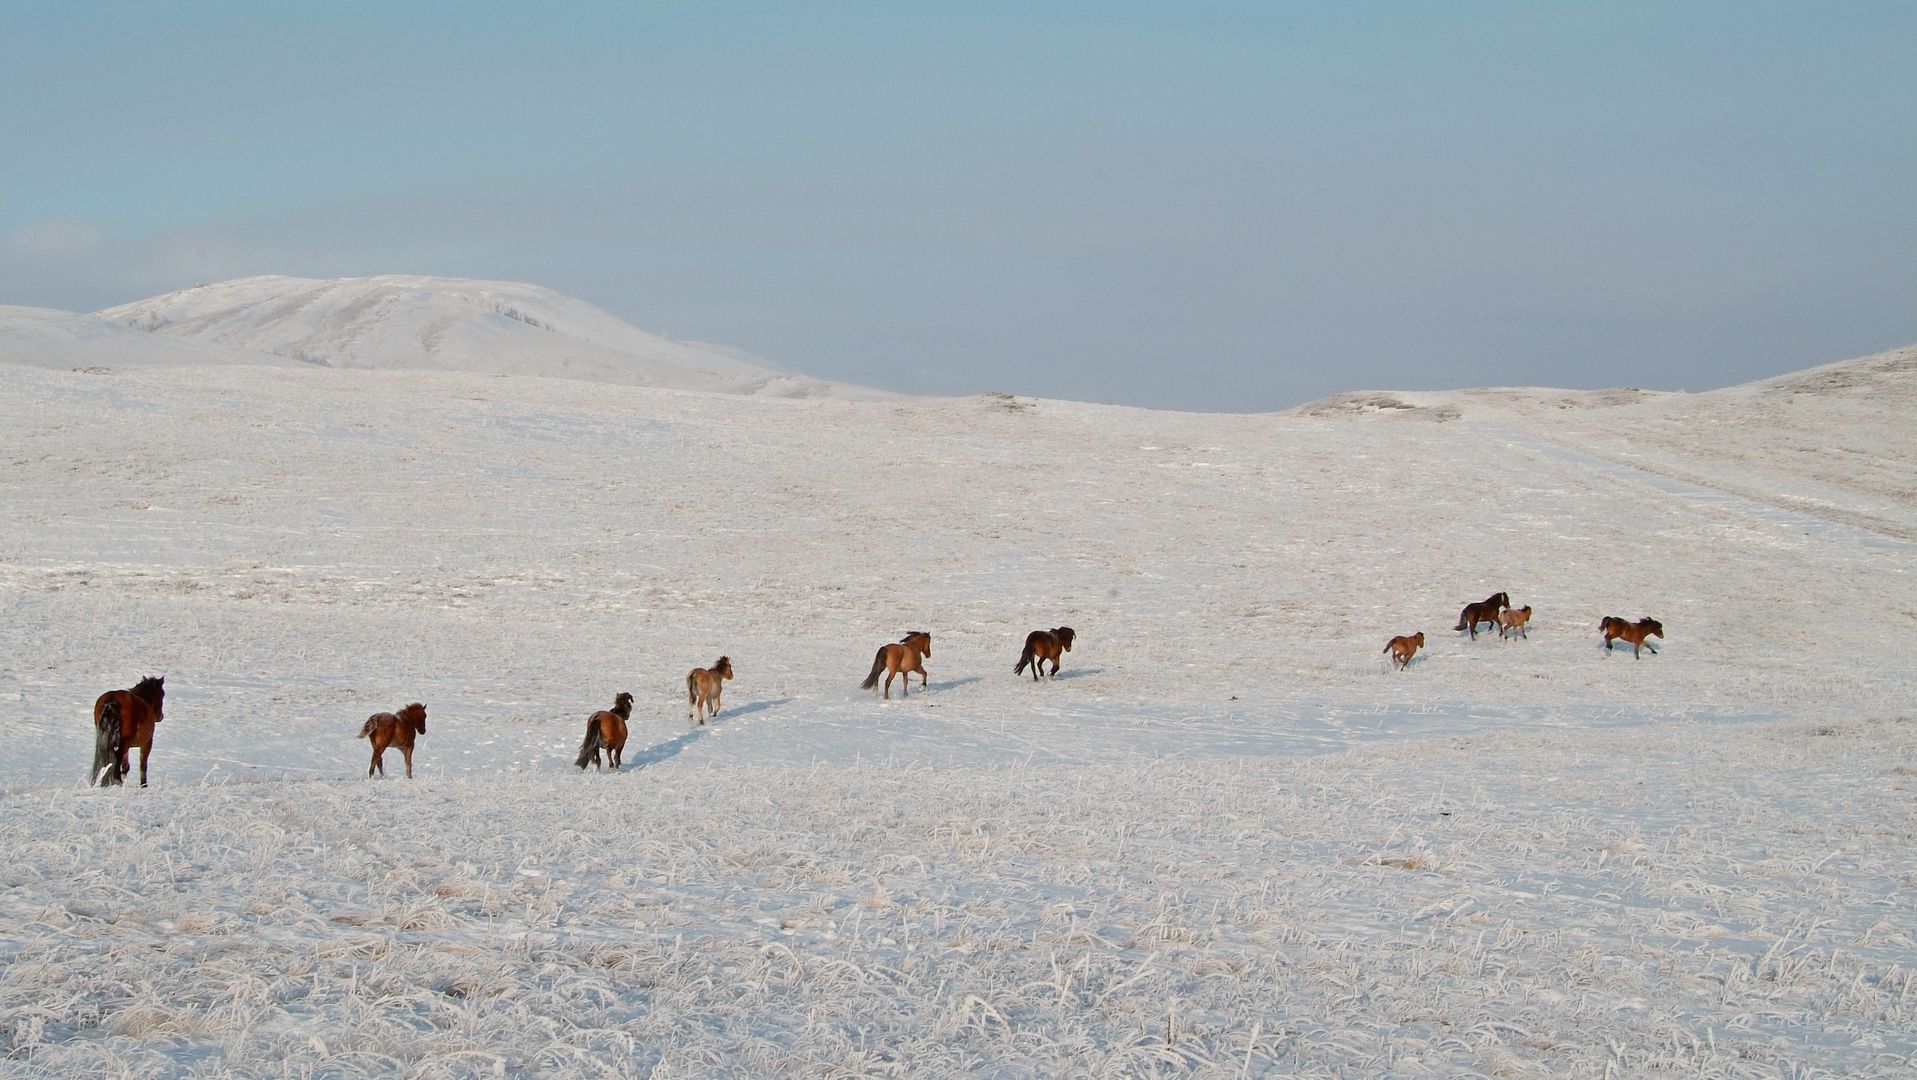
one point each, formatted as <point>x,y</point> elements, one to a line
<point>55,238</point>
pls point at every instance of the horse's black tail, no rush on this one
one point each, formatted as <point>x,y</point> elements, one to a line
<point>1024,658</point>
<point>878,665</point>
<point>1463,617</point>
<point>589,747</point>
<point>106,746</point>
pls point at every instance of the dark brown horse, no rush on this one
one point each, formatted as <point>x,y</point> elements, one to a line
<point>703,687</point>
<point>902,655</point>
<point>1043,645</point>
<point>1614,628</point>
<point>606,730</point>
<point>389,729</point>
<point>106,746</point>
<point>140,708</point>
<point>1485,610</point>
<point>1402,648</point>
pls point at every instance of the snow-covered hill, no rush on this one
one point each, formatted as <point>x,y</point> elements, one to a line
<point>398,322</point>
<point>1227,839</point>
<point>1837,442</point>
<point>45,337</point>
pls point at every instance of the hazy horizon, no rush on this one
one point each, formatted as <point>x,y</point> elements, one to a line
<point>1210,207</point>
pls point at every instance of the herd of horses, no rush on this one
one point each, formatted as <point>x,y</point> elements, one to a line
<point>1496,609</point>
<point>125,719</point>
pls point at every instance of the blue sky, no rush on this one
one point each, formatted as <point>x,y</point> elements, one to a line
<point>1211,206</point>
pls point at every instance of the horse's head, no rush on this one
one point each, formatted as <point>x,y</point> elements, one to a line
<point>622,703</point>
<point>1064,635</point>
<point>919,640</point>
<point>724,667</point>
<point>1418,638</point>
<point>414,716</point>
<point>1502,600</point>
<point>1651,626</point>
<point>152,690</point>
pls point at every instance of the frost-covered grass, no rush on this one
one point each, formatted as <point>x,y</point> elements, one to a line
<point>1228,839</point>
<point>1638,900</point>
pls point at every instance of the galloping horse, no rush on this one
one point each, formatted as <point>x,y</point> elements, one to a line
<point>902,655</point>
<point>387,729</point>
<point>1485,610</point>
<point>1515,619</point>
<point>1614,628</point>
<point>106,746</point>
<point>606,729</point>
<point>1403,648</point>
<point>1043,645</point>
<point>703,686</point>
<point>140,708</point>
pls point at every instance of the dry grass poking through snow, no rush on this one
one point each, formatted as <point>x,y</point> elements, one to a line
<point>1616,902</point>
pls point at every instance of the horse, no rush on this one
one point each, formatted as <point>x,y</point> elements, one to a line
<point>106,747</point>
<point>139,708</point>
<point>703,686</point>
<point>1403,648</point>
<point>1485,610</point>
<point>606,729</point>
<point>901,655</point>
<point>387,729</point>
<point>1043,645</point>
<point>1613,628</point>
<point>1518,619</point>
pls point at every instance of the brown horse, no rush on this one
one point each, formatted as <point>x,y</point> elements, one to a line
<point>140,708</point>
<point>106,746</point>
<point>1614,628</point>
<point>1515,619</point>
<point>1043,645</point>
<point>1485,610</point>
<point>703,686</point>
<point>606,729</point>
<point>902,655</point>
<point>1403,648</point>
<point>387,729</point>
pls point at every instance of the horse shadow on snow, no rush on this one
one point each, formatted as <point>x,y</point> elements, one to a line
<point>673,747</point>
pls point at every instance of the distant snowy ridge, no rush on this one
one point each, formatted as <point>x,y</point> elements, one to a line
<point>45,337</point>
<point>1835,439</point>
<point>451,324</point>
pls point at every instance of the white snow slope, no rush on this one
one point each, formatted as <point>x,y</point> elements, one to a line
<point>46,337</point>
<point>448,324</point>
<point>1226,840</point>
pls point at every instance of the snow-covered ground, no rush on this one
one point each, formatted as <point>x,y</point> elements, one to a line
<point>1227,839</point>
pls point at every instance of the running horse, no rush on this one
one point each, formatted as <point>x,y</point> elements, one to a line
<point>901,655</point>
<point>606,730</point>
<point>139,709</point>
<point>703,687</point>
<point>394,729</point>
<point>1614,628</point>
<point>1043,645</point>
<point>1485,610</point>
<point>1403,647</point>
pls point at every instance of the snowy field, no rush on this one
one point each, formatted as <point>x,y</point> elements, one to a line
<point>1227,840</point>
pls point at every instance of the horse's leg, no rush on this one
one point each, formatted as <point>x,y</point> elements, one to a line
<point>890,671</point>
<point>408,751</point>
<point>144,751</point>
<point>374,763</point>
